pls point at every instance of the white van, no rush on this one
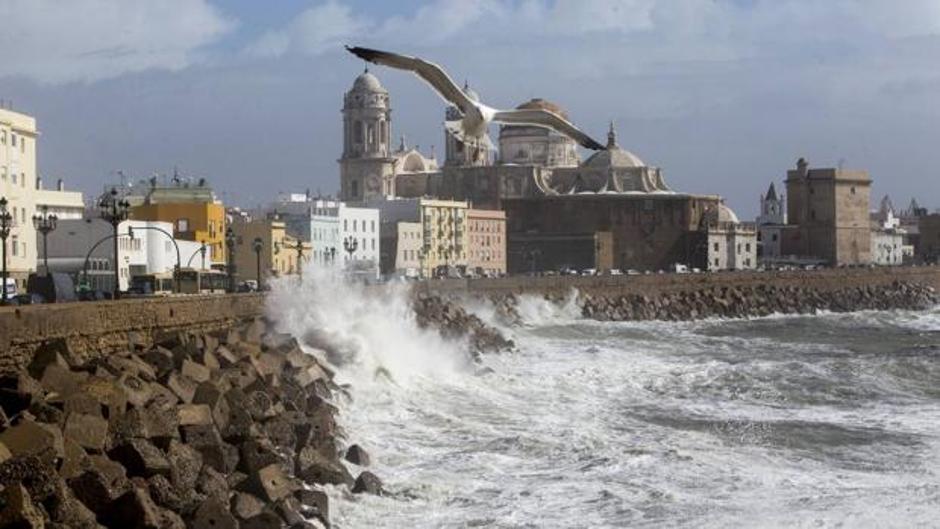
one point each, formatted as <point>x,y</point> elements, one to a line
<point>10,287</point>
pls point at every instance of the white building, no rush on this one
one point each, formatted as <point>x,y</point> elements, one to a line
<point>887,237</point>
<point>149,252</point>
<point>732,244</point>
<point>339,234</point>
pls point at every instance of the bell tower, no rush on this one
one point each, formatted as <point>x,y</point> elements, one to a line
<point>366,168</point>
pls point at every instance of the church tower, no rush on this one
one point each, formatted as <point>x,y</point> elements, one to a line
<point>771,208</point>
<point>366,169</point>
<point>457,153</point>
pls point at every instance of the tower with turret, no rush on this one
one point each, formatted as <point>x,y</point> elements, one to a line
<point>367,168</point>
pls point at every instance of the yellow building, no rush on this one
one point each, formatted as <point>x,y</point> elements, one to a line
<point>194,211</point>
<point>278,255</point>
<point>444,226</point>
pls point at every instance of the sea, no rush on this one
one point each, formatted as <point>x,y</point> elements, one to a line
<point>826,420</point>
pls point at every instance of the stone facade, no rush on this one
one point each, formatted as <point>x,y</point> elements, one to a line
<point>770,225</point>
<point>367,168</point>
<point>928,244</point>
<point>830,207</point>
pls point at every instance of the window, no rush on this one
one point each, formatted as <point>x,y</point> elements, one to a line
<point>15,241</point>
<point>774,237</point>
<point>853,190</point>
<point>373,226</point>
<point>716,246</point>
<point>23,180</point>
<point>13,140</point>
<point>345,225</point>
<point>355,188</point>
<point>747,247</point>
<point>13,177</point>
<point>357,132</point>
<point>355,227</point>
<point>182,225</point>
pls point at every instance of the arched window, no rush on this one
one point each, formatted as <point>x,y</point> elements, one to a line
<point>354,188</point>
<point>357,132</point>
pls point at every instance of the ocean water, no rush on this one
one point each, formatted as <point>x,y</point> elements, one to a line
<point>824,421</point>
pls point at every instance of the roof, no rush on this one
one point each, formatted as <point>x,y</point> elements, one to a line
<point>367,82</point>
<point>771,193</point>
<point>542,104</point>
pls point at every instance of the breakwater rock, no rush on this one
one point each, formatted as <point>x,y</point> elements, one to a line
<point>755,301</point>
<point>229,429</point>
<point>454,321</point>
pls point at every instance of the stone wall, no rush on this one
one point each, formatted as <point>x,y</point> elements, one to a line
<point>98,328</point>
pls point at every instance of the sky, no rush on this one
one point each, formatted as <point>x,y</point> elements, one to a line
<point>723,95</point>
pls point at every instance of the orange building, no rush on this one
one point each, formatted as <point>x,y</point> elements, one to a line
<point>194,211</point>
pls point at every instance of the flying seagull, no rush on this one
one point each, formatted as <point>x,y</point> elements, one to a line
<point>476,116</point>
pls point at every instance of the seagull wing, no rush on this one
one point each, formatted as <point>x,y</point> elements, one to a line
<point>545,118</point>
<point>432,74</point>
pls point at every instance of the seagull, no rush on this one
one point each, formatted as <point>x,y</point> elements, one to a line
<point>476,116</point>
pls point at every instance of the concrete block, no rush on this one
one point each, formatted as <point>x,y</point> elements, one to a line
<point>162,397</point>
<point>257,454</point>
<point>215,452</point>
<point>211,395</point>
<point>195,371</point>
<point>213,514</point>
<point>135,509</point>
<point>109,393</point>
<point>310,374</point>
<point>141,458</point>
<point>314,467</point>
<point>316,501</point>
<point>260,405</point>
<point>74,460</point>
<point>267,519</point>
<point>18,391</point>
<point>194,414</point>
<point>164,493</point>
<point>28,438</point>
<point>39,477</point>
<point>210,361</point>
<point>185,465</point>
<point>99,485</point>
<point>89,431</point>
<point>161,359</point>
<point>212,483</point>
<point>138,391</point>
<point>245,506</point>
<point>48,353</point>
<point>17,509</point>
<point>183,387</point>
<point>226,357</point>
<point>61,380</point>
<point>270,483</point>
<point>82,403</point>
<point>289,508</point>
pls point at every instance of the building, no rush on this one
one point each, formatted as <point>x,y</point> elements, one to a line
<point>486,241</point>
<point>731,244</point>
<point>151,251</point>
<point>278,254</point>
<point>339,234</point>
<point>829,208</point>
<point>193,210</point>
<point>442,248</point>
<point>928,244</point>
<point>22,187</point>
<point>771,224</point>
<point>889,245</point>
<point>367,167</point>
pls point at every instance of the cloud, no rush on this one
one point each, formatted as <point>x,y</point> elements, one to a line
<point>313,31</point>
<point>51,41</point>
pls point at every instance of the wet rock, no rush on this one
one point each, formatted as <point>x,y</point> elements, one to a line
<point>367,482</point>
<point>356,455</point>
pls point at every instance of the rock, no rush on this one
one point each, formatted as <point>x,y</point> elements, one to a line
<point>36,475</point>
<point>245,506</point>
<point>61,380</point>
<point>82,403</point>
<point>185,465</point>
<point>30,438</point>
<point>194,414</point>
<point>269,483</point>
<point>72,513</point>
<point>17,509</point>
<point>89,431</point>
<point>215,452</point>
<point>141,458</point>
<point>108,393</point>
<point>314,467</point>
<point>164,493</point>
<point>316,502</point>
<point>367,482</point>
<point>265,520</point>
<point>162,397</point>
<point>212,396</point>
<point>161,360</point>
<point>356,455</point>
<point>213,514</point>
<point>100,484</point>
<point>181,386</point>
<point>134,510</point>
<point>48,353</point>
<point>212,483</point>
<point>196,372</point>
<point>74,460</point>
<point>257,454</point>
<point>138,391</point>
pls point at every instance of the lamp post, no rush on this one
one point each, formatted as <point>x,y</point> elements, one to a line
<point>114,210</point>
<point>350,244</point>
<point>230,265</point>
<point>45,223</point>
<point>299,248</point>
<point>257,245</point>
<point>6,222</point>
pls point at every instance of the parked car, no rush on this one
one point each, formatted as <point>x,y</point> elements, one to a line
<point>615,272</point>
<point>589,272</point>
<point>30,299</point>
<point>10,286</point>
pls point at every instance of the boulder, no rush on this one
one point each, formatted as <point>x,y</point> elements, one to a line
<point>267,519</point>
<point>36,475</point>
<point>28,438</point>
<point>18,392</point>
<point>135,509</point>
<point>316,502</point>
<point>245,506</point>
<point>99,485</point>
<point>183,387</point>
<point>270,483</point>
<point>74,460</point>
<point>314,467</point>
<point>194,414</point>
<point>367,482</point>
<point>138,391</point>
<point>108,393</point>
<point>357,455</point>
<point>17,509</point>
<point>194,371</point>
<point>89,431</point>
<point>185,465</point>
<point>141,458</point>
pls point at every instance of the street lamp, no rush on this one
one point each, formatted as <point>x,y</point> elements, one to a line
<point>230,267</point>
<point>350,244</point>
<point>6,222</point>
<point>114,210</point>
<point>299,248</point>
<point>257,245</point>
<point>45,223</point>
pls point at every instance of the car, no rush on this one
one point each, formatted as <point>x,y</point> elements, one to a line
<point>615,272</point>
<point>632,272</point>
<point>589,272</point>
<point>30,299</point>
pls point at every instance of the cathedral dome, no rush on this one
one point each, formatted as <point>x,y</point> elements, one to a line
<point>368,83</point>
<point>614,155</point>
<point>542,104</point>
<point>722,214</point>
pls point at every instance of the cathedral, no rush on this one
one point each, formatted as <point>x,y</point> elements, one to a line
<point>618,210</point>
